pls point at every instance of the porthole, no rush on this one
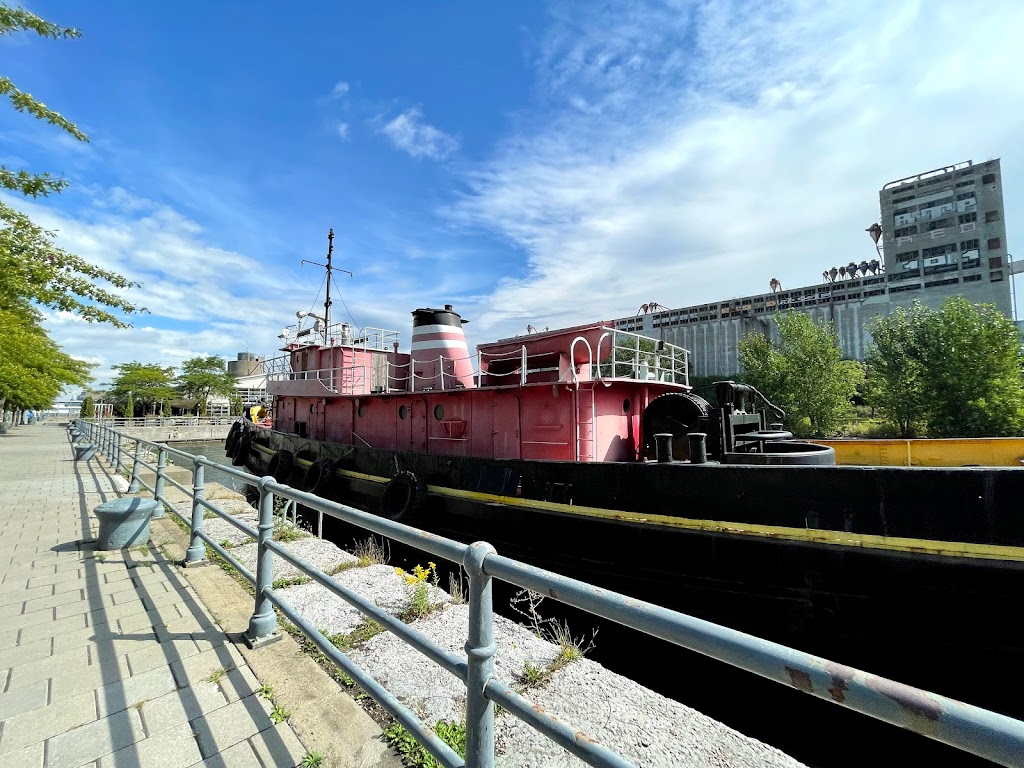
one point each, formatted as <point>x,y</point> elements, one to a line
<point>359,410</point>
<point>312,407</point>
<point>438,411</point>
<point>625,405</point>
<point>402,411</point>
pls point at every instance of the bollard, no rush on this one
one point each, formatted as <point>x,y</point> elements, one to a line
<point>480,650</point>
<point>263,624</point>
<point>698,447</point>
<point>124,522</point>
<point>196,552</point>
<point>84,451</point>
<point>158,485</point>
<point>663,447</point>
<point>134,486</point>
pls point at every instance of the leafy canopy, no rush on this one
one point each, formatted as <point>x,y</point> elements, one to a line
<point>958,369</point>
<point>803,373</point>
<point>32,267</point>
<point>145,383</point>
<point>201,377</point>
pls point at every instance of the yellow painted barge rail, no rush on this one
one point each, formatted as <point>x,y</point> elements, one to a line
<point>924,452</point>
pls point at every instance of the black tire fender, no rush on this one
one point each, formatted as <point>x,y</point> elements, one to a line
<point>281,465</point>
<point>404,496</point>
<point>231,441</point>
<point>242,448</point>
<point>319,476</point>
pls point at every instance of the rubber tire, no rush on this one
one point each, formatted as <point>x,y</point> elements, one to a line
<point>231,441</point>
<point>281,465</point>
<point>403,497</point>
<point>319,476</point>
<point>242,449</point>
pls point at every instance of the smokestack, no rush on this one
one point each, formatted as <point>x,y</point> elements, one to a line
<point>439,344</point>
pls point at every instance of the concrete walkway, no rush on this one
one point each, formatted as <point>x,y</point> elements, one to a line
<point>109,659</point>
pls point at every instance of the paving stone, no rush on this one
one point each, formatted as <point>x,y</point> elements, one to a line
<point>21,654</point>
<point>24,699</point>
<point>182,706</point>
<point>172,748</point>
<point>94,740</point>
<point>137,689</point>
<point>204,664</point>
<point>229,725</point>
<point>40,724</point>
<point>26,757</point>
<point>278,745</point>
<point>240,755</point>
<point>65,663</point>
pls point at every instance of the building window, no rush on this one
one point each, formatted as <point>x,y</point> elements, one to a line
<point>939,250</point>
<point>903,199</point>
<point>993,243</point>
<point>968,245</point>
<point>939,223</point>
<point>967,218</point>
<point>966,196</point>
<point>972,278</point>
<point>991,216</point>
<point>988,178</point>
<point>965,183</point>
<point>907,256</point>
<point>905,231</point>
<point>996,277</point>
<point>995,262</point>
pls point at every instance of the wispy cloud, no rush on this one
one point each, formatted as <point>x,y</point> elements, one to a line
<point>410,134</point>
<point>340,89</point>
<point>684,152</point>
<point>342,129</point>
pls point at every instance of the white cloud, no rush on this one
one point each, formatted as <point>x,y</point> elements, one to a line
<point>410,134</point>
<point>691,153</point>
<point>339,90</point>
<point>343,131</point>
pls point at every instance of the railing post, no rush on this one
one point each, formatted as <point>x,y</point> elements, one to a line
<point>263,623</point>
<point>196,552</point>
<point>118,466</point>
<point>161,466</point>
<point>480,657</point>
<point>135,485</point>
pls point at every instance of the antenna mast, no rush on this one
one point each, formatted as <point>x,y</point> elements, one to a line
<point>330,268</point>
<point>327,303</point>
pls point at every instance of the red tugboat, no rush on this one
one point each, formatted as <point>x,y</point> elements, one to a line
<point>583,450</point>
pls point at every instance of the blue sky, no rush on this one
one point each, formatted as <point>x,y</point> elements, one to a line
<point>530,163</point>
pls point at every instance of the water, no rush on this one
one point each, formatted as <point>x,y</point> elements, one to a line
<point>214,451</point>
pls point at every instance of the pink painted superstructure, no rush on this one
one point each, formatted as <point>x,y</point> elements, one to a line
<point>576,394</point>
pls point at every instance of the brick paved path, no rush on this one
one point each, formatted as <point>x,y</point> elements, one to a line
<point>108,659</point>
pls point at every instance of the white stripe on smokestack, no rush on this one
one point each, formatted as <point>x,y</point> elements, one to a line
<point>439,344</point>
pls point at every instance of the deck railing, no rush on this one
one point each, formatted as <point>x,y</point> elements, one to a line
<point>966,727</point>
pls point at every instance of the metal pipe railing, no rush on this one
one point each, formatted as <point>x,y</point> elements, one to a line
<point>972,729</point>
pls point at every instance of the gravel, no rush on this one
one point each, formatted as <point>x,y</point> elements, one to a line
<point>377,583</point>
<point>427,689</point>
<point>635,722</point>
<point>317,552</point>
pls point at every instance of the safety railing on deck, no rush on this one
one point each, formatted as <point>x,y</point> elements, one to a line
<point>978,731</point>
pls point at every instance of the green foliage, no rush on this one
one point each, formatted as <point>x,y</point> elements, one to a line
<point>279,714</point>
<point>803,373</point>
<point>88,408</point>
<point>201,377</point>
<point>959,366</point>
<point>413,754</point>
<point>33,369</point>
<point>146,383</point>
<point>896,375</point>
<point>129,406</point>
<point>312,759</point>
<point>534,675</point>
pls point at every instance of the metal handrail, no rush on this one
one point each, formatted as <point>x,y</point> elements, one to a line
<point>996,737</point>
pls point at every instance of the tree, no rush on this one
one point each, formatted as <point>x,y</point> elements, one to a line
<point>803,373</point>
<point>146,383</point>
<point>970,364</point>
<point>204,376</point>
<point>33,369</point>
<point>31,267</point>
<point>896,369</point>
<point>88,407</point>
<point>129,406</point>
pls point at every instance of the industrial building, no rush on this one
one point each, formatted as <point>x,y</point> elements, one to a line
<point>942,234</point>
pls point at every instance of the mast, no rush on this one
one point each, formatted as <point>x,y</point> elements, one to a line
<point>327,303</point>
